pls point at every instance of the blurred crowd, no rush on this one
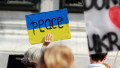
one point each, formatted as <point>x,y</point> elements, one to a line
<point>58,56</point>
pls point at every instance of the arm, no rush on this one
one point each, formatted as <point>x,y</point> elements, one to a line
<point>47,40</point>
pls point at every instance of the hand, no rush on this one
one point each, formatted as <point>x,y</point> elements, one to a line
<point>47,40</point>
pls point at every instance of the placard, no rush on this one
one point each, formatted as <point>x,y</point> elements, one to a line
<point>102,19</point>
<point>52,22</point>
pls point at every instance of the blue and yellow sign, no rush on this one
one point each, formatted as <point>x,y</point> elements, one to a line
<point>53,22</point>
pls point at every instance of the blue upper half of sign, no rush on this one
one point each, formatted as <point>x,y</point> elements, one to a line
<point>47,19</point>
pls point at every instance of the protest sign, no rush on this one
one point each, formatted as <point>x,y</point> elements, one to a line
<point>102,19</point>
<point>53,22</point>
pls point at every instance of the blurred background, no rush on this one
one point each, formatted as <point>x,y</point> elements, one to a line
<point>14,37</point>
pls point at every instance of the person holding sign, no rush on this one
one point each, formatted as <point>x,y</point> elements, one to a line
<point>32,55</point>
<point>57,57</point>
<point>96,60</point>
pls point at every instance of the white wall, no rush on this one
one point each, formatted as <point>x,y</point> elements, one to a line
<point>13,27</point>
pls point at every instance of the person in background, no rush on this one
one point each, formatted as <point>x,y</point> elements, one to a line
<point>57,57</point>
<point>32,55</point>
<point>96,60</point>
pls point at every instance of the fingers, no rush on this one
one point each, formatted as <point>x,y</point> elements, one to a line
<point>48,38</point>
<point>51,37</point>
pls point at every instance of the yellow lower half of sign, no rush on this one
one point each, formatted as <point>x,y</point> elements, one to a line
<point>58,34</point>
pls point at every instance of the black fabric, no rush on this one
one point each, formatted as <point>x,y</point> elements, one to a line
<point>3,1</point>
<point>73,1</point>
<point>14,63</point>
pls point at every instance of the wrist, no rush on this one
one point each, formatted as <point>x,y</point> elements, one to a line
<point>44,46</point>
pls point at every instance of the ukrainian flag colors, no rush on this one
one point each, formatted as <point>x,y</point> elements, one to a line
<point>53,22</point>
